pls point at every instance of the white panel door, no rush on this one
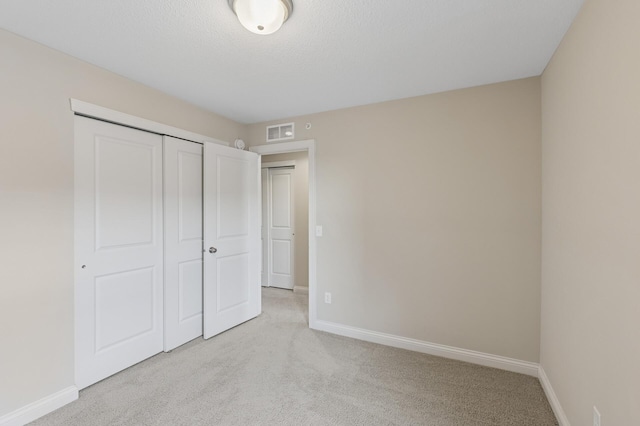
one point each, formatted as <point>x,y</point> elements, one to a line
<point>281,228</point>
<point>232,238</point>
<point>118,248</point>
<point>182,242</point>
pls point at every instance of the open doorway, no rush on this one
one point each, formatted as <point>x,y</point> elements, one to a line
<point>285,221</point>
<point>299,150</point>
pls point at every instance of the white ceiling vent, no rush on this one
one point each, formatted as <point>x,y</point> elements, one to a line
<point>280,132</point>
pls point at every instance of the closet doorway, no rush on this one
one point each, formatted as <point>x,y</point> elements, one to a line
<point>167,240</point>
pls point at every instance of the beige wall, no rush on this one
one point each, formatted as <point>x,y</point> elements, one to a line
<point>590,345</point>
<point>431,215</point>
<point>300,214</point>
<point>431,208</point>
<point>36,203</point>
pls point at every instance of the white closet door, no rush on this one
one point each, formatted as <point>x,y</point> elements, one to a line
<point>183,241</point>
<point>118,248</point>
<point>232,238</point>
<point>281,228</point>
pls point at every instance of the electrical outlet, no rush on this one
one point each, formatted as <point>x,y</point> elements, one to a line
<point>596,416</point>
<point>319,231</point>
<point>327,298</point>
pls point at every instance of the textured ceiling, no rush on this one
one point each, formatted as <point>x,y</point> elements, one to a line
<point>330,54</point>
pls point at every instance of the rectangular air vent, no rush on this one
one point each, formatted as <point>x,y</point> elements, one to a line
<point>280,132</point>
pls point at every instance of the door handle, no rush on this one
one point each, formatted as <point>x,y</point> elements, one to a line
<point>213,250</point>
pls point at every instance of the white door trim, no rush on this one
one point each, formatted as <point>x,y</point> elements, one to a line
<point>267,251</point>
<point>277,233</point>
<point>275,164</point>
<point>101,113</point>
<point>297,146</point>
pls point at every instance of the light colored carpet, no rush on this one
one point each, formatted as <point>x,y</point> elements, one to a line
<point>273,370</point>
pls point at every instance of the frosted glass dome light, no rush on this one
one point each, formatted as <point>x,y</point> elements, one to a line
<point>262,16</point>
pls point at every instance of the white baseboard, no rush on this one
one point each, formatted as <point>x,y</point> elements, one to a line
<point>37,409</point>
<point>301,289</point>
<point>488,360</point>
<point>553,398</point>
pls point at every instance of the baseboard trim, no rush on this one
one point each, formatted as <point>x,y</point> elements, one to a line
<point>37,409</point>
<point>480,358</point>
<point>301,289</point>
<point>553,398</point>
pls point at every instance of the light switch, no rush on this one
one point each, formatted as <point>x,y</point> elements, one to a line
<point>319,231</point>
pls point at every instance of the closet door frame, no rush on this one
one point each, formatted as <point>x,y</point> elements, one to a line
<point>88,110</point>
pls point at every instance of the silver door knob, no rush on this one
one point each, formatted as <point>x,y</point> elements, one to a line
<point>213,250</point>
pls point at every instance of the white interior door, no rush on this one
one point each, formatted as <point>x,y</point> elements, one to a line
<point>281,228</point>
<point>183,242</point>
<point>232,238</point>
<point>118,248</point>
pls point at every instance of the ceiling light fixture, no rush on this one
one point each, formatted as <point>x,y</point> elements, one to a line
<point>262,16</point>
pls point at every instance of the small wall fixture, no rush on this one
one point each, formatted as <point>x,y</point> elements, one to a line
<point>262,16</point>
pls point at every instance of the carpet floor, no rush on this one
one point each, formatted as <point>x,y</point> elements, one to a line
<point>274,370</point>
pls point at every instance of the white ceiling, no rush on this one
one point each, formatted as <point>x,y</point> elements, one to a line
<point>330,54</point>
